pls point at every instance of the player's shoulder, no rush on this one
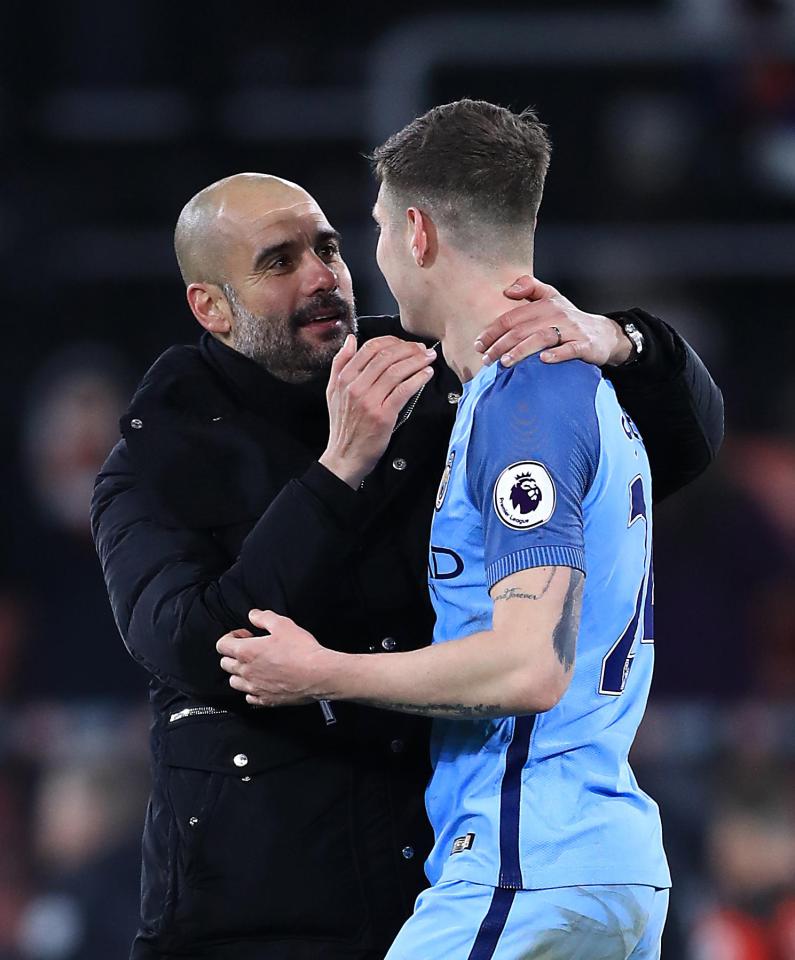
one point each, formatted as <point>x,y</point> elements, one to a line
<point>571,385</point>
<point>537,413</point>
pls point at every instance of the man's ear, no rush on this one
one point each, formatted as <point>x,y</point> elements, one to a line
<point>210,307</point>
<point>422,237</point>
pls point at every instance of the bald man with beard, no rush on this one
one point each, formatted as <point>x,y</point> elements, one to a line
<point>290,461</point>
<point>236,242</point>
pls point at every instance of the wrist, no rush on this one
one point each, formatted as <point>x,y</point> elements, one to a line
<point>342,469</point>
<point>634,337</point>
<point>335,673</point>
<point>623,348</point>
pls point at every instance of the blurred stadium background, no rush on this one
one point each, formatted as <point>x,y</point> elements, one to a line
<point>672,187</point>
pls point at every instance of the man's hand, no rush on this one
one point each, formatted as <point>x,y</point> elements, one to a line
<point>281,669</point>
<point>534,326</point>
<point>367,390</point>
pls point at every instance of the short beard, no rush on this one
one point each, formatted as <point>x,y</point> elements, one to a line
<point>274,344</point>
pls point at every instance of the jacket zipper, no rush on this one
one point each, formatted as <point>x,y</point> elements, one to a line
<point>409,409</point>
<point>194,712</point>
<point>414,400</point>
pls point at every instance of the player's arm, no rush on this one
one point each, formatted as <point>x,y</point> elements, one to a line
<point>522,665</point>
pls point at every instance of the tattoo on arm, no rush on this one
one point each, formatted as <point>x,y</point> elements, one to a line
<point>564,642</point>
<point>564,636</point>
<point>514,593</point>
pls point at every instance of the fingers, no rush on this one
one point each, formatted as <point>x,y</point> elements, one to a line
<point>530,288</point>
<point>256,701</point>
<point>404,391</point>
<point>266,619</point>
<point>360,423</point>
<point>526,313</point>
<point>343,356</point>
<point>237,682</point>
<point>400,372</point>
<point>230,665</point>
<point>573,350</point>
<point>520,342</point>
<point>229,644</point>
<point>365,354</point>
<point>396,361</point>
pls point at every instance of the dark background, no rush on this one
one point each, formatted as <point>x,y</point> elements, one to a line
<point>672,187</point>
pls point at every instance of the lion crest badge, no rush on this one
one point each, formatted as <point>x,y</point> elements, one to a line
<point>524,495</point>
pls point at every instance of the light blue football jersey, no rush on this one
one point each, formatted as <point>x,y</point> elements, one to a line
<point>545,468</point>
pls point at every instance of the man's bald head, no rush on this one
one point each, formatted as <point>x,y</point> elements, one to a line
<point>219,215</point>
<point>264,273</point>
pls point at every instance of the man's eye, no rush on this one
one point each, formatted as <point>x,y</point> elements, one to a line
<point>329,250</point>
<point>280,264</point>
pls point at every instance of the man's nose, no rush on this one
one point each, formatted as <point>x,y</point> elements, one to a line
<point>320,277</point>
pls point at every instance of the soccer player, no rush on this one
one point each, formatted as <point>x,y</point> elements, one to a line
<point>540,575</point>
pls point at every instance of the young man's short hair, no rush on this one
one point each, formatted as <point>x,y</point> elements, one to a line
<point>471,164</point>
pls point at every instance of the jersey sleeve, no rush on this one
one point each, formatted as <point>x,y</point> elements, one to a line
<point>533,453</point>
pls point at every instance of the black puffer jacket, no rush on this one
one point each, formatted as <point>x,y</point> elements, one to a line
<point>271,834</point>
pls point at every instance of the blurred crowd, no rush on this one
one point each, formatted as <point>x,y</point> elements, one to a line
<point>673,148</point>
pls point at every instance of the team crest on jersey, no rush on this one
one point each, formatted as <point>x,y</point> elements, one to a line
<point>463,843</point>
<point>445,481</point>
<point>524,495</point>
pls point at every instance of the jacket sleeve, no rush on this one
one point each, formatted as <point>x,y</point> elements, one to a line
<point>674,401</point>
<point>172,590</point>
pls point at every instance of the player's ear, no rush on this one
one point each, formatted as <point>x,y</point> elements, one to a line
<point>210,307</point>
<point>422,236</point>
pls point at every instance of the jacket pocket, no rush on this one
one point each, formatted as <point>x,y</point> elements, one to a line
<point>158,868</point>
<point>264,834</point>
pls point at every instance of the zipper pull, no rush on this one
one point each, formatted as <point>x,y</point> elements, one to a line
<point>328,713</point>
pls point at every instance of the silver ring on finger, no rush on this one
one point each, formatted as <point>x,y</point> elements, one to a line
<point>557,331</point>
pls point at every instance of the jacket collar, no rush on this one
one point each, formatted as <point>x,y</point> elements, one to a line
<point>257,390</point>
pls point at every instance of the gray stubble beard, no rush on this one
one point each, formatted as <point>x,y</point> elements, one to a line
<point>272,342</point>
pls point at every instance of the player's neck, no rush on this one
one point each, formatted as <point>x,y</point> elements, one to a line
<point>469,308</point>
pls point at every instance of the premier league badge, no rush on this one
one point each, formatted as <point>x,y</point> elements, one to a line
<point>444,481</point>
<point>524,495</point>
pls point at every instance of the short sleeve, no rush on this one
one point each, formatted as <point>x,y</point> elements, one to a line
<point>532,455</point>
